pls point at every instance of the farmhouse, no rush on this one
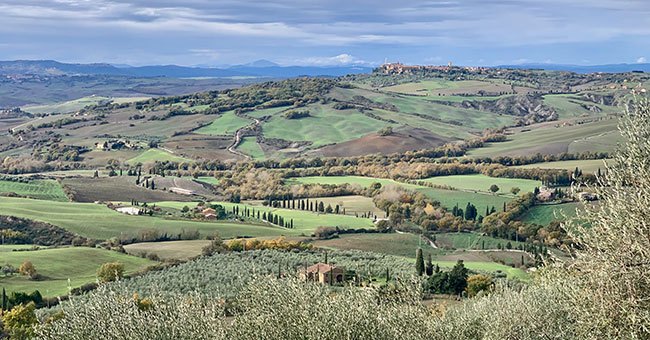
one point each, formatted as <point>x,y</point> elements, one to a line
<point>323,273</point>
<point>209,213</point>
<point>129,210</point>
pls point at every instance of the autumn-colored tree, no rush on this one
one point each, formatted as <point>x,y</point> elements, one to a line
<point>27,269</point>
<point>110,271</point>
<point>478,283</point>
<point>19,321</point>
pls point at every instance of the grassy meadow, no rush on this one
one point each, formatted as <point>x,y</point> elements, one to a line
<point>227,124</point>
<point>250,147</point>
<point>548,138</point>
<point>62,267</point>
<point>99,222</point>
<point>482,183</point>
<point>177,250</point>
<point>304,222</point>
<point>447,198</point>
<point>545,214</point>
<point>587,166</point>
<point>152,155</point>
<point>38,189</point>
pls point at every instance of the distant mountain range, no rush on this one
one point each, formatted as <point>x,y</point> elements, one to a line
<point>260,68</point>
<point>610,68</point>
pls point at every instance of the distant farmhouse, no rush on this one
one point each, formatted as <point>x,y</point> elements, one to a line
<point>116,144</point>
<point>129,210</point>
<point>323,273</point>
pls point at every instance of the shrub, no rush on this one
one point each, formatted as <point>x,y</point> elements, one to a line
<point>109,272</point>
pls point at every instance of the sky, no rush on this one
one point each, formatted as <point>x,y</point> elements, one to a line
<point>326,33</point>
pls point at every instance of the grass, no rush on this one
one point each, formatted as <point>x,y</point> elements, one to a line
<point>39,189</point>
<point>569,106</point>
<point>460,118</point>
<point>267,112</point>
<point>599,136</point>
<point>587,166</point>
<point>447,198</point>
<point>406,245</point>
<point>447,87</point>
<point>482,183</point>
<point>58,265</point>
<point>250,147</point>
<point>471,241</point>
<point>353,204</point>
<point>489,267</point>
<point>177,250</point>
<point>78,104</point>
<point>545,214</point>
<point>99,222</point>
<point>305,222</point>
<point>152,155</point>
<point>208,180</point>
<point>325,126</point>
<point>227,124</point>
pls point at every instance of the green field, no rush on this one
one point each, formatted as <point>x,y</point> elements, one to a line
<point>545,214</point>
<point>587,166</point>
<point>152,155</point>
<point>99,222</point>
<point>599,136</point>
<point>406,245</point>
<point>178,250</point>
<point>325,126</point>
<point>488,267</point>
<point>447,198</point>
<point>78,104</point>
<point>39,189</point>
<point>570,106</point>
<point>250,147</point>
<point>58,265</point>
<point>482,183</point>
<point>353,205</point>
<point>227,124</point>
<point>474,241</point>
<point>208,180</point>
<point>304,222</point>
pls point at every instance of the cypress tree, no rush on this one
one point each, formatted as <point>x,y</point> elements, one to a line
<point>429,266</point>
<point>5,301</point>
<point>419,262</point>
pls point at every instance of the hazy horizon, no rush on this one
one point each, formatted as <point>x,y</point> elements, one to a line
<point>288,32</point>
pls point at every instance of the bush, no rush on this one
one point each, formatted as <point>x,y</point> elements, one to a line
<point>19,321</point>
<point>109,272</point>
<point>296,114</point>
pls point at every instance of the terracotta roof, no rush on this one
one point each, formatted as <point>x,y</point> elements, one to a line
<point>321,268</point>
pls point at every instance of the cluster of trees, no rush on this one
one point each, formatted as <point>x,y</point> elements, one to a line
<point>16,230</point>
<point>304,205</point>
<point>297,114</point>
<point>263,216</point>
<point>505,224</point>
<point>455,281</point>
<point>58,152</point>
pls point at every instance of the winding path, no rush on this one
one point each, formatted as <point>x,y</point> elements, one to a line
<point>238,138</point>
